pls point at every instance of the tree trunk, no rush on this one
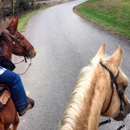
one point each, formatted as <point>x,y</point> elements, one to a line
<point>12,7</point>
<point>32,3</point>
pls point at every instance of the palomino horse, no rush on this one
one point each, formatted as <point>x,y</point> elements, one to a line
<point>12,41</point>
<point>99,91</point>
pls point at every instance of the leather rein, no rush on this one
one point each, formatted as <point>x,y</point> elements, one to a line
<point>120,93</point>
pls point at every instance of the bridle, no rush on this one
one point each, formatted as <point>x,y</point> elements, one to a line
<point>14,38</point>
<point>121,96</point>
<point>120,92</point>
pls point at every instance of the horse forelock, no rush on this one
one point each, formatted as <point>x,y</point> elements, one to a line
<point>75,113</point>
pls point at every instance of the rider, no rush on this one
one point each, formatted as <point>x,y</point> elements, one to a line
<point>13,80</point>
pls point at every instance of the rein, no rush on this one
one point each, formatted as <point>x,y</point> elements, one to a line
<point>19,62</point>
<point>27,67</point>
<point>22,61</point>
<point>25,70</point>
<point>108,121</point>
<point>120,93</point>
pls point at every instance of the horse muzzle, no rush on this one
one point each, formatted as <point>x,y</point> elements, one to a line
<point>122,115</point>
<point>31,55</point>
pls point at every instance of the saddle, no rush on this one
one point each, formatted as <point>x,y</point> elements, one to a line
<point>4,95</point>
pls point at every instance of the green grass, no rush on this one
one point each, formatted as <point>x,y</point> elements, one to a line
<point>113,15</point>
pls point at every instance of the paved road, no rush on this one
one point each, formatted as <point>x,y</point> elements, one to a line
<point>65,43</point>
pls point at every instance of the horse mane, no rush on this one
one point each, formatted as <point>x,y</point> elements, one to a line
<point>76,105</point>
<point>3,39</point>
<point>3,45</point>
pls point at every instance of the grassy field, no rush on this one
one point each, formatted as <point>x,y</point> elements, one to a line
<point>113,15</point>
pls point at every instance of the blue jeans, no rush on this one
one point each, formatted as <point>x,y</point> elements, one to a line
<point>18,94</point>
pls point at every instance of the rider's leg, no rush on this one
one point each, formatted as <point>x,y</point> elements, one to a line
<point>17,90</point>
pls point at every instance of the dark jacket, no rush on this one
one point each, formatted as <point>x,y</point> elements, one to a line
<point>6,63</point>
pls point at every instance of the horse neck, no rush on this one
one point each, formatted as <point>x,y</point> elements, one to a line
<point>83,111</point>
<point>5,49</point>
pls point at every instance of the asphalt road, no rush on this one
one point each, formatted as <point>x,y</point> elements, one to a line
<point>65,43</point>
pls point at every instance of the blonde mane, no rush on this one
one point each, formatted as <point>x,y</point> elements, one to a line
<point>77,103</point>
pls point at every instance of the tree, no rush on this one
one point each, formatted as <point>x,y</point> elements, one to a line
<point>22,5</point>
<point>32,3</point>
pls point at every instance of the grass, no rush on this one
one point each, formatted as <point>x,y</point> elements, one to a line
<point>113,15</point>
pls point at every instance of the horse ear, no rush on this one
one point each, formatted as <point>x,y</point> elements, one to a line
<point>11,22</point>
<point>116,57</point>
<point>101,50</point>
<point>16,23</point>
<point>13,25</point>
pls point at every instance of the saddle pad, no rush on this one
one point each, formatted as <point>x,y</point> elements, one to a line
<point>4,98</point>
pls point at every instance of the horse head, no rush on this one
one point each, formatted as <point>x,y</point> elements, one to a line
<point>116,103</point>
<point>20,45</point>
<point>100,90</point>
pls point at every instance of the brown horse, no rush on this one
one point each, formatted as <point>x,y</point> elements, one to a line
<point>12,41</point>
<point>99,91</point>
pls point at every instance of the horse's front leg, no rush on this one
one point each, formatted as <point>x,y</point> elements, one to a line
<point>16,122</point>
